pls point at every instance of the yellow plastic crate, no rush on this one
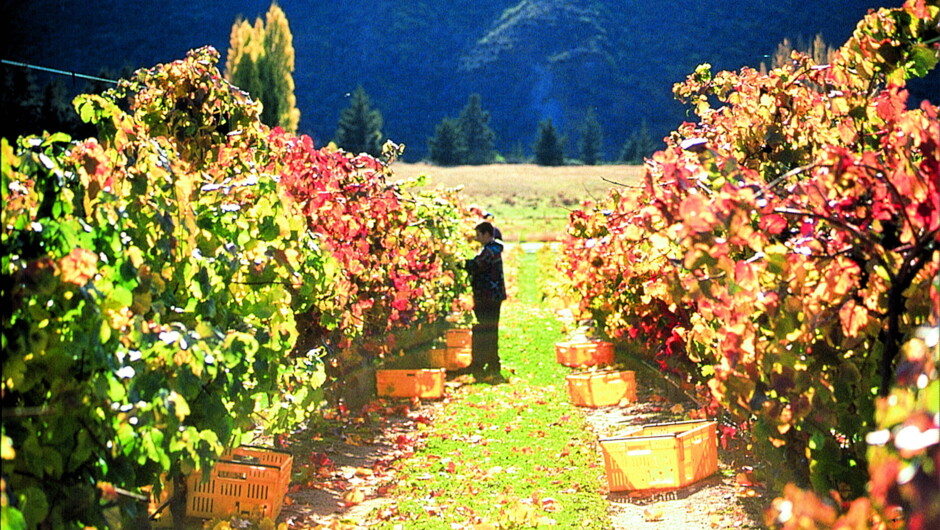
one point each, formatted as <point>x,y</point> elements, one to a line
<point>584,353</point>
<point>248,481</point>
<point>459,338</point>
<point>423,383</point>
<point>451,358</point>
<point>661,456</point>
<point>602,388</point>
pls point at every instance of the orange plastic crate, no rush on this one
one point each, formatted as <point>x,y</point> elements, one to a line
<point>459,338</point>
<point>584,353</point>
<point>424,383</point>
<point>248,481</point>
<point>661,456</point>
<point>451,358</point>
<point>601,389</point>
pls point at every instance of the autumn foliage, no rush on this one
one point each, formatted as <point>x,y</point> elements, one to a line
<point>783,253</point>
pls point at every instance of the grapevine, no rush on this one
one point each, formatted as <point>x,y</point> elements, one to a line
<point>155,276</point>
<point>783,249</point>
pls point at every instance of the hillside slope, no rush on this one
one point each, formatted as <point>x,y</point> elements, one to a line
<point>420,60</point>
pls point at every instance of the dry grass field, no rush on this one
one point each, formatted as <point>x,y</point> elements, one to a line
<point>530,202</point>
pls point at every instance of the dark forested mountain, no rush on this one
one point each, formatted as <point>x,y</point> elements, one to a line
<point>530,60</point>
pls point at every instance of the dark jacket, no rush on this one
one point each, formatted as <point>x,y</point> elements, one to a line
<point>486,273</point>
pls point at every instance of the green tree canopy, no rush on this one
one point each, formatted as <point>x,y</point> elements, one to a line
<point>549,147</point>
<point>360,126</point>
<point>591,143</point>
<point>260,61</point>
<point>446,147</point>
<point>477,137</point>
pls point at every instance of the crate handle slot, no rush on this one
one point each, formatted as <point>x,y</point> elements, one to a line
<point>267,449</point>
<point>269,466</point>
<point>232,475</point>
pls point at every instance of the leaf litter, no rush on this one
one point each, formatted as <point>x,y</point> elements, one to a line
<point>352,475</point>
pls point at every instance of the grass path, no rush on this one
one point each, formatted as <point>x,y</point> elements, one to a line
<point>509,455</point>
<point>514,455</point>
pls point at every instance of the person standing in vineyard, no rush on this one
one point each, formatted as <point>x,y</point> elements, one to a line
<point>488,217</point>
<point>489,291</point>
<point>497,235</point>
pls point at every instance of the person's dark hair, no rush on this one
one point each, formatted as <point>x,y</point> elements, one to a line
<point>485,228</point>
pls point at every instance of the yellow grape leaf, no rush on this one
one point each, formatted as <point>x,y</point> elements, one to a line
<point>180,406</point>
<point>659,242</point>
<point>633,232</point>
<point>7,452</point>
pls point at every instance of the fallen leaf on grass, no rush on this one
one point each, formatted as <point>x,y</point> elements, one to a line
<point>652,514</point>
<point>353,497</point>
<point>551,505</point>
<point>495,470</point>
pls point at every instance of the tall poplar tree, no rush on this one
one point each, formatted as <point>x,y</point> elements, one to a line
<point>360,126</point>
<point>260,61</point>
<point>591,142</point>
<point>478,138</point>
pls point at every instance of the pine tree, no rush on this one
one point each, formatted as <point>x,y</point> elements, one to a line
<point>446,147</point>
<point>477,137</point>
<point>592,139</point>
<point>549,148</point>
<point>517,155</point>
<point>639,146</point>
<point>20,99</point>
<point>260,61</point>
<point>360,126</point>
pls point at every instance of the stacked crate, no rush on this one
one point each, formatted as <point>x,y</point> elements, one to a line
<point>457,352</point>
<point>247,481</point>
<point>428,383</point>
<point>595,385</point>
<point>644,458</point>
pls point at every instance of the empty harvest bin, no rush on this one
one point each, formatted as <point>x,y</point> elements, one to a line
<point>602,388</point>
<point>459,338</point>
<point>450,358</point>
<point>661,456</point>
<point>423,383</point>
<point>584,353</point>
<point>247,481</point>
